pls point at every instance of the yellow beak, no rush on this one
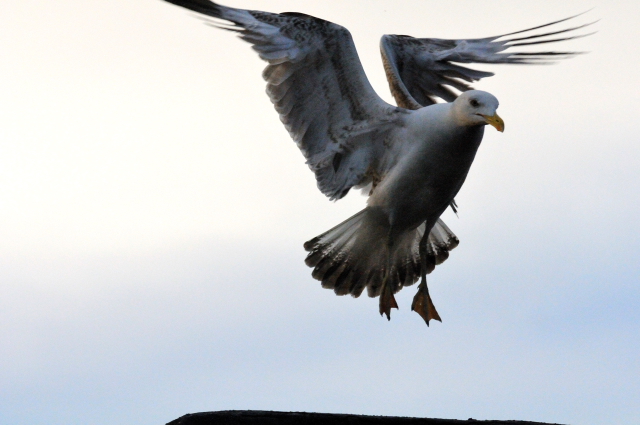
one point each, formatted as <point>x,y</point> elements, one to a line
<point>495,121</point>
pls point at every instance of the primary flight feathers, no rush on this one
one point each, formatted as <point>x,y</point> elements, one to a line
<point>420,69</point>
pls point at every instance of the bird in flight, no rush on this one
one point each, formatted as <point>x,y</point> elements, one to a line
<point>411,159</point>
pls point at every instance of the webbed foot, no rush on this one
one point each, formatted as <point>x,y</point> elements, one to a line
<point>423,305</point>
<point>387,301</point>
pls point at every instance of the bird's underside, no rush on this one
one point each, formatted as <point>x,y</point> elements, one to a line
<point>351,138</point>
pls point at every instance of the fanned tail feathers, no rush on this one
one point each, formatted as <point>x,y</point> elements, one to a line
<point>353,255</point>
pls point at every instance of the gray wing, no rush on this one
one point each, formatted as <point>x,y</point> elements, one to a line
<point>317,85</point>
<point>419,70</point>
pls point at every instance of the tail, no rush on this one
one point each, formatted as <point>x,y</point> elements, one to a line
<point>353,255</point>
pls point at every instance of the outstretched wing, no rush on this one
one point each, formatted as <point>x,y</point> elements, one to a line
<point>419,70</point>
<point>317,85</point>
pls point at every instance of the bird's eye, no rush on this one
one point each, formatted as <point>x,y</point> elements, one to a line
<point>474,103</point>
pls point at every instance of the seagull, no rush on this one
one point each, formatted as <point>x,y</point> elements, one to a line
<point>410,159</point>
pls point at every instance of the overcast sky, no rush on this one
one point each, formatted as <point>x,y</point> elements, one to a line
<point>153,210</point>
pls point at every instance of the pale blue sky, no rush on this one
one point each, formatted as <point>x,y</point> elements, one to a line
<point>153,210</point>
